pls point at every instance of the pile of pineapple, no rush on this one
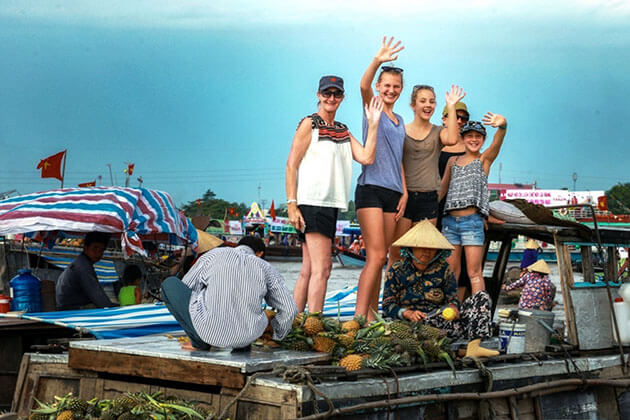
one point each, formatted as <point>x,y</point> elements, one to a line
<point>128,407</point>
<point>355,344</point>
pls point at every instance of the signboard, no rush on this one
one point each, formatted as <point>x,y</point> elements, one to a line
<point>236,228</point>
<point>280,225</point>
<point>553,197</point>
<point>341,224</point>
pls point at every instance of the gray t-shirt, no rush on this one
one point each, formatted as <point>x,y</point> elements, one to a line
<point>420,159</point>
<point>385,171</point>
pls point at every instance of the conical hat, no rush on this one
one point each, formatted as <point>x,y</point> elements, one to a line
<point>423,235</point>
<point>540,266</point>
<point>531,244</point>
<point>206,242</point>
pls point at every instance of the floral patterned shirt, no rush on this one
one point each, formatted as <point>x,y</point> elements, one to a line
<point>407,288</point>
<point>536,291</point>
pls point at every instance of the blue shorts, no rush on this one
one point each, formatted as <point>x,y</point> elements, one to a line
<point>463,230</point>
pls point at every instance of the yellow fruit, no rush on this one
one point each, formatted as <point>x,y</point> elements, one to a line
<point>346,340</point>
<point>349,326</point>
<point>313,325</point>
<point>351,362</point>
<point>299,320</point>
<point>65,415</point>
<point>323,344</point>
<point>448,314</point>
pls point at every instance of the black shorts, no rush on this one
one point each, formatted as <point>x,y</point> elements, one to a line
<point>319,219</point>
<point>421,205</point>
<point>374,196</point>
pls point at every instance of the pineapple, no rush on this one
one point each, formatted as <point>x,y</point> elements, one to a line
<point>345,340</point>
<point>39,416</point>
<point>299,320</point>
<point>77,405</point>
<point>300,345</point>
<point>313,325</point>
<point>66,415</point>
<point>323,344</point>
<point>350,326</point>
<point>351,362</point>
<point>401,330</point>
<point>427,332</point>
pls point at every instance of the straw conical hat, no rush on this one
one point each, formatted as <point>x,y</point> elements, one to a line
<point>206,242</point>
<point>531,244</point>
<point>423,235</point>
<point>540,266</point>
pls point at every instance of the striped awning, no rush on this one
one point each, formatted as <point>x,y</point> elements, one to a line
<point>131,212</point>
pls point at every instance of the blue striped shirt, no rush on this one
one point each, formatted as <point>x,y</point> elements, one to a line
<point>228,287</point>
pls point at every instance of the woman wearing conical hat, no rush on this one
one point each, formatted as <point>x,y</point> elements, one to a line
<point>420,285</point>
<point>530,254</point>
<point>537,288</point>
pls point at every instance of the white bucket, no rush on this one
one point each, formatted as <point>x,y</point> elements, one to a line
<point>512,337</point>
<point>622,313</point>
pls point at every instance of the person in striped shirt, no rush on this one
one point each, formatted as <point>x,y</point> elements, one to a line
<point>218,302</point>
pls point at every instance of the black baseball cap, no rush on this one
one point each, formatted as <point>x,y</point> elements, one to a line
<point>331,81</point>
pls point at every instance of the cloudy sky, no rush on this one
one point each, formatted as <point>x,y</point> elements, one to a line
<point>207,96</point>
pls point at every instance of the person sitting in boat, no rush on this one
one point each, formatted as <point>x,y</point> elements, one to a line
<point>78,286</point>
<point>130,293</point>
<point>355,247</point>
<point>537,288</point>
<point>219,301</point>
<point>421,285</point>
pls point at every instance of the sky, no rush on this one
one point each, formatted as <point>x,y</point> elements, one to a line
<point>207,95</point>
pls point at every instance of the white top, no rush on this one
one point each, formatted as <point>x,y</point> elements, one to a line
<point>325,173</point>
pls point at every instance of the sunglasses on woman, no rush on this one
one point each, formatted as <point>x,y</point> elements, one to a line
<point>336,93</point>
<point>392,69</point>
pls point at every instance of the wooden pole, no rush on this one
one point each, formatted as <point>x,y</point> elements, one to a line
<point>63,171</point>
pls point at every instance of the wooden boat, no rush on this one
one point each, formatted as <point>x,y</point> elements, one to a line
<point>584,377</point>
<point>348,258</point>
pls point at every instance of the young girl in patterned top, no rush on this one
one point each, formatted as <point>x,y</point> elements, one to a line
<point>466,207</point>
<point>537,289</point>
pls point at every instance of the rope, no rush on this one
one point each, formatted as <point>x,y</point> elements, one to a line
<point>484,373</point>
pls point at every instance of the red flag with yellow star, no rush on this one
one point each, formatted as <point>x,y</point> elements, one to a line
<point>51,166</point>
<point>88,184</point>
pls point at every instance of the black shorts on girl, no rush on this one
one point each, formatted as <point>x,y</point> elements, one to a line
<point>421,205</point>
<point>319,220</point>
<point>366,196</point>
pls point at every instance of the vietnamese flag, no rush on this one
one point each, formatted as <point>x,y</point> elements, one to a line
<point>272,211</point>
<point>602,203</point>
<point>51,166</point>
<point>130,168</point>
<point>88,184</point>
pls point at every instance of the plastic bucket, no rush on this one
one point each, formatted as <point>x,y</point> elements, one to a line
<point>622,313</point>
<point>537,336</point>
<point>512,337</point>
<point>5,304</point>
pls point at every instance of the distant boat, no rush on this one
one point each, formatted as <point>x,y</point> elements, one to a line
<point>350,259</point>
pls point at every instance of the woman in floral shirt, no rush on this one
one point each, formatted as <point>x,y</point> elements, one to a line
<point>536,287</point>
<point>421,284</point>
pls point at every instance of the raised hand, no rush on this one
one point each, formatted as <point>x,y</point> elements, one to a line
<point>373,112</point>
<point>389,52</point>
<point>494,120</point>
<point>455,95</point>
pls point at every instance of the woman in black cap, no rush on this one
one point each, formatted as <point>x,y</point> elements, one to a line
<point>465,184</point>
<point>318,178</point>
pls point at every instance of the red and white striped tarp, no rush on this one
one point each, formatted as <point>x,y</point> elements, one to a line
<point>131,212</point>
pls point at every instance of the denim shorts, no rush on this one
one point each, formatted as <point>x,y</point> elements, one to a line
<point>463,230</point>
